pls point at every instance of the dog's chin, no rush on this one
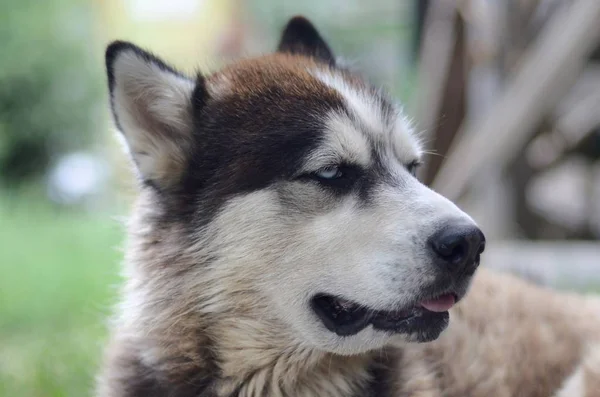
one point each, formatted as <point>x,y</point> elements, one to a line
<point>422,322</point>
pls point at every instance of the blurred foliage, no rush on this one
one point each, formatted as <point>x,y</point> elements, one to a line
<point>48,91</point>
<point>58,281</point>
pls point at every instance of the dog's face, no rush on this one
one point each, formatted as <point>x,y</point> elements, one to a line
<point>298,179</point>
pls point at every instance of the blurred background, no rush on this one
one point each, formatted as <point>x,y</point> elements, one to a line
<point>506,93</point>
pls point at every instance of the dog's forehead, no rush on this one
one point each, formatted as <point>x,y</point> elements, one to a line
<point>255,76</point>
<point>356,117</point>
<point>372,112</point>
<point>370,123</point>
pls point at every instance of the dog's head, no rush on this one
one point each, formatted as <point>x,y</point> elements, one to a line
<point>297,179</point>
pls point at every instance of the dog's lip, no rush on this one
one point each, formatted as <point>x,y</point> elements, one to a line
<point>345,317</point>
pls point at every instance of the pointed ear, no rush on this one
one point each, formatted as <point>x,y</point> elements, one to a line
<point>301,37</point>
<point>152,107</point>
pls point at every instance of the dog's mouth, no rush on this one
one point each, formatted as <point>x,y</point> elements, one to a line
<point>426,318</point>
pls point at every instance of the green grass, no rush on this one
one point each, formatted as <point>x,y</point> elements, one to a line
<point>58,279</point>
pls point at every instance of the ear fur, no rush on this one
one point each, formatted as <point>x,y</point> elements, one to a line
<point>152,107</point>
<point>301,37</point>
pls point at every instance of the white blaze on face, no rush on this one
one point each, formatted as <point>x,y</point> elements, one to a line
<point>365,106</point>
<point>391,130</point>
<point>344,143</point>
<point>403,140</point>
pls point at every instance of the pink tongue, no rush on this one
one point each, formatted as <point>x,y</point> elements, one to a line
<point>441,304</point>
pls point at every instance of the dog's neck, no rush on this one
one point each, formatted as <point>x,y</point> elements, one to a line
<point>255,362</point>
<point>239,356</point>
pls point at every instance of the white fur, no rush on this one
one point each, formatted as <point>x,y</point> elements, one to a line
<point>344,142</point>
<point>574,386</point>
<point>395,134</point>
<point>404,141</point>
<point>366,107</point>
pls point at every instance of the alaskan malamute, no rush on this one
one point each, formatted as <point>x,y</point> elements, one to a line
<point>281,245</point>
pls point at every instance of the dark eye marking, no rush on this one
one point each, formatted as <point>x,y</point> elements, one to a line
<point>413,166</point>
<point>329,173</point>
<point>336,177</point>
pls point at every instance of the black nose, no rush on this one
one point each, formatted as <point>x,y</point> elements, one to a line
<point>457,247</point>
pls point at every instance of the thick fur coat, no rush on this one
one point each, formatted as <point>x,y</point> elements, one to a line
<point>281,246</point>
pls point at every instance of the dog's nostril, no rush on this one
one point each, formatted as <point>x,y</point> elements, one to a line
<point>457,246</point>
<point>450,248</point>
<point>457,253</point>
<point>481,247</point>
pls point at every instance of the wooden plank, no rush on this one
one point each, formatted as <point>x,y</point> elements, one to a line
<point>452,103</point>
<point>550,66</point>
<point>434,63</point>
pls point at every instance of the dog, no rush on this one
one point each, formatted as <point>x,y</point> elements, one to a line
<point>281,245</point>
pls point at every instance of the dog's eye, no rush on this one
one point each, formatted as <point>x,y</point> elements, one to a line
<point>337,177</point>
<point>413,166</point>
<point>332,172</point>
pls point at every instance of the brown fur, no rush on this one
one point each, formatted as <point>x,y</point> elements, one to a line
<point>254,76</point>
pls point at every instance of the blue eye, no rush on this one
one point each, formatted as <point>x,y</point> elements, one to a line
<point>340,178</point>
<point>332,172</point>
<point>413,166</point>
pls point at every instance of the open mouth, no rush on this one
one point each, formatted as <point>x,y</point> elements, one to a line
<point>427,318</point>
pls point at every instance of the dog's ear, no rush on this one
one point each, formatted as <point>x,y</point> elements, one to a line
<point>152,107</point>
<point>301,37</point>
